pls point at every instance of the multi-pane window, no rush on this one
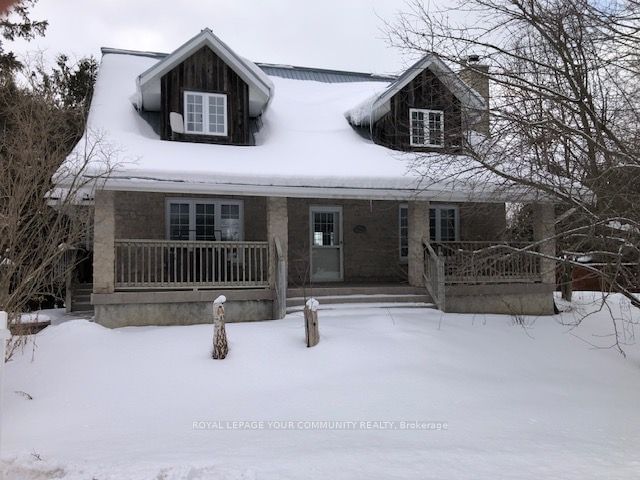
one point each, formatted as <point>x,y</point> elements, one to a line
<point>204,220</point>
<point>229,222</point>
<point>443,226</point>
<point>404,231</point>
<point>426,127</point>
<point>179,221</point>
<point>193,108</point>
<point>324,226</point>
<point>217,114</point>
<point>205,113</point>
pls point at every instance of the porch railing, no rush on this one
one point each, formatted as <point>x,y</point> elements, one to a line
<point>170,264</point>
<point>488,262</point>
<point>434,278</point>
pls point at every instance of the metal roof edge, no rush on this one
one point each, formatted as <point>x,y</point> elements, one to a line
<point>331,71</point>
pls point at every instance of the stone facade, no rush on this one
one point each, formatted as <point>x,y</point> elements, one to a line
<point>371,250</point>
<point>477,77</point>
<point>370,256</point>
<point>370,240</point>
<point>278,237</point>
<point>277,228</point>
<point>142,215</point>
<point>544,229</point>
<point>482,221</point>
<point>104,226</point>
<point>506,299</point>
<point>182,313</point>
<point>418,233</point>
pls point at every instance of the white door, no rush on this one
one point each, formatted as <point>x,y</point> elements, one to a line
<point>326,244</point>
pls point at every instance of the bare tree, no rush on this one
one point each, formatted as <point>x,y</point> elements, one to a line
<point>564,117</point>
<point>42,225</point>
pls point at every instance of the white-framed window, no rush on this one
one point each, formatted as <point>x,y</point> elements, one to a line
<point>204,219</point>
<point>444,223</point>
<point>426,127</point>
<point>205,113</point>
<point>444,226</point>
<point>403,225</point>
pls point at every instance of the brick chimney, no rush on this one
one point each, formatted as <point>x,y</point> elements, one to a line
<point>476,75</point>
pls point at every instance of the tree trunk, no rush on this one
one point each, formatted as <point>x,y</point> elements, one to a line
<point>311,326</point>
<point>220,344</point>
<point>566,284</point>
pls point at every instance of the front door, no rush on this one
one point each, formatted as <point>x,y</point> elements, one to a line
<point>326,244</point>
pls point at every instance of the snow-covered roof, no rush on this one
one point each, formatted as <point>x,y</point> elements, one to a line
<point>305,148</point>
<point>260,85</point>
<point>374,107</point>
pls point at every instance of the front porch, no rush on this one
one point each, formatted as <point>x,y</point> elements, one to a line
<point>512,278</point>
<point>303,245</point>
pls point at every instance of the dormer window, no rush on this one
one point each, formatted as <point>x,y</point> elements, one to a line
<point>427,127</point>
<point>205,113</point>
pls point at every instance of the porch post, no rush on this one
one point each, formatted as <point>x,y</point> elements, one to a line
<point>278,230</point>
<point>543,229</point>
<point>418,229</point>
<point>104,242</point>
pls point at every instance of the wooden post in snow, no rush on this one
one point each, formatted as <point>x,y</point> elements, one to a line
<point>220,344</point>
<point>311,322</point>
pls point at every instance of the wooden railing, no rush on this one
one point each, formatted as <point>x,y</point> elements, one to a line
<point>280,304</point>
<point>434,277</point>
<point>172,264</point>
<point>488,262</point>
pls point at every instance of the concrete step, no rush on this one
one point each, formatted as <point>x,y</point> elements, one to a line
<point>83,287</point>
<point>334,306</point>
<point>81,298</point>
<point>335,290</point>
<point>81,307</point>
<point>377,298</point>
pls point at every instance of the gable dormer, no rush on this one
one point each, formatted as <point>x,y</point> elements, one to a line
<point>428,108</point>
<point>204,92</point>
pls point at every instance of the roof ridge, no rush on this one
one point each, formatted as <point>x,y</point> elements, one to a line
<point>161,55</point>
<point>136,53</point>
<point>328,70</point>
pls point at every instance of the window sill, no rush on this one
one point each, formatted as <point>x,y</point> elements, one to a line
<point>203,134</point>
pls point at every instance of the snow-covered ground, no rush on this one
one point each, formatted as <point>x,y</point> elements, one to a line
<point>502,401</point>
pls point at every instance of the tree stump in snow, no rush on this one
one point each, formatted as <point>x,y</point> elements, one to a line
<point>311,322</point>
<point>220,344</point>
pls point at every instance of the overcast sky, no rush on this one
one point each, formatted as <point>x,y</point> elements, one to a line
<point>342,34</point>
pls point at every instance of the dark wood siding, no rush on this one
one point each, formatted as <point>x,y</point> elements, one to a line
<point>424,91</point>
<point>204,71</point>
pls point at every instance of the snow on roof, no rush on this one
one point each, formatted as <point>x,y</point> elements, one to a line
<point>260,85</point>
<point>305,147</point>
<point>372,108</point>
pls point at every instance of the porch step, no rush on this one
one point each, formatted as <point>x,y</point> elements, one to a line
<point>326,301</point>
<point>83,288</point>
<point>81,297</point>
<point>340,290</point>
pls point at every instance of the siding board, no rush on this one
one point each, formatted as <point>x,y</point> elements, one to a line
<point>204,71</point>
<point>424,91</point>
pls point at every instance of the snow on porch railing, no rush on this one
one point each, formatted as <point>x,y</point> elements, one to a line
<point>488,262</point>
<point>167,264</point>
